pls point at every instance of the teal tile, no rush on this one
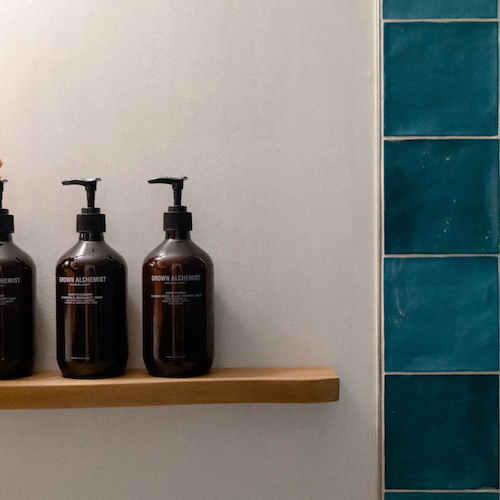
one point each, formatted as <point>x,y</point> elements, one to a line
<point>441,496</point>
<point>441,314</point>
<point>441,79</point>
<point>441,432</point>
<point>435,9</point>
<point>441,196</point>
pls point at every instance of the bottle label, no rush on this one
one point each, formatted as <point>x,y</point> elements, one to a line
<point>8,281</point>
<point>8,294</point>
<point>180,278</point>
<point>72,280</point>
<point>176,325</point>
<point>180,289</point>
<point>84,293</point>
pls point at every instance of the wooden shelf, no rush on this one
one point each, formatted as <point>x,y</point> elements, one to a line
<point>49,389</point>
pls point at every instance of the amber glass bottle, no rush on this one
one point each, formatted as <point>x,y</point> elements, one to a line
<point>178,313</point>
<point>17,279</point>
<point>91,300</point>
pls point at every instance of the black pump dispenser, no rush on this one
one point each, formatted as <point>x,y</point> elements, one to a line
<point>91,281</point>
<point>17,278</point>
<point>178,297</point>
<point>90,220</point>
<point>6,220</point>
<point>177,218</point>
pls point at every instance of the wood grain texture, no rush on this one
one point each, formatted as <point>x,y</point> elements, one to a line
<point>49,389</point>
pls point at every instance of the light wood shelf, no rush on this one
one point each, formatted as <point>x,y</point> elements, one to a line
<point>48,389</point>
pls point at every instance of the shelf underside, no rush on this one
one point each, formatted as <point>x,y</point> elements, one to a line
<point>48,389</point>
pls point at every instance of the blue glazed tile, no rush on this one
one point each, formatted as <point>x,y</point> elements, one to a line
<point>441,496</point>
<point>441,314</point>
<point>441,79</point>
<point>441,432</point>
<point>433,9</point>
<point>441,196</point>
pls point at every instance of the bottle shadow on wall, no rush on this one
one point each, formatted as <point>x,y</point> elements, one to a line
<point>134,322</point>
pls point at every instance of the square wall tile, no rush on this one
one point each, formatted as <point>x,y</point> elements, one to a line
<point>441,496</point>
<point>441,314</point>
<point>441,196</point>
<point>441,432</point>
<point>441,79</point>
<point>434,9</point>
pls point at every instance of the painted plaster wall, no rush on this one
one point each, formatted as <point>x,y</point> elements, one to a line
<point>269,108</point>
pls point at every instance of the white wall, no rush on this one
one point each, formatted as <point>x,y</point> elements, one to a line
<point>268,106</point>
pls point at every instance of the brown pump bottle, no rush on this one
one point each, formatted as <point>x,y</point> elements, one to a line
<point>17,282</point>
<point>91,299</point>
<point>178,288</point>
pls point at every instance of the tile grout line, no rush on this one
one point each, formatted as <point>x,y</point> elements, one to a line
<point>439,255</point>
<point>479,491</point>
<point>396,138</point>
<point>443,20</point>
<point>380,259</point>
<point>381,249</point>
<point>446,374</point>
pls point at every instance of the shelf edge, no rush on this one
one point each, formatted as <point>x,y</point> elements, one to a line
<point>49,390</point>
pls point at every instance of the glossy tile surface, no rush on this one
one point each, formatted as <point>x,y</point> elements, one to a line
<point>432,9</point>
<point>441,196</point>
<point>441,79</point>
<point>441,432</point>
<point>441,314</point>
<point>441,496</point>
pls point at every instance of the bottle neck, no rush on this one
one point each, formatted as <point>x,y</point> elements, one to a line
<point>4,237</point>
<point>173,234</point>
<point>91,237</point>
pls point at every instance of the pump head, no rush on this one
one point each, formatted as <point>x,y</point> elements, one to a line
<point>6,220</point>
<point>177,218</point>
<point>1,192</point>
<point>90,220</point>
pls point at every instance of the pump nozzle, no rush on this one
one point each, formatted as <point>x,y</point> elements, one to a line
<point>177,218</point>
<point>177,184</point>
<point>90,220</point>
<point>1,192</point>
<point>6,220</point>
<point>90,186</point>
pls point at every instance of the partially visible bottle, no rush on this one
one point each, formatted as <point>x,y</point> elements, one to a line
<point>91,299</point>
<point>178,289</point>
<point>17,283</point>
